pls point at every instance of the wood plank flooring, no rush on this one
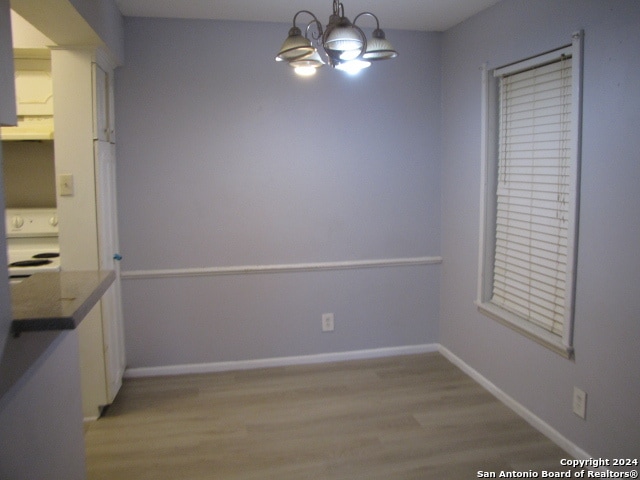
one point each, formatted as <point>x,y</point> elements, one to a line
<point>409,417</point>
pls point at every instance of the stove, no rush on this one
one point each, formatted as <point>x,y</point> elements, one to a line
<point>32,242</point>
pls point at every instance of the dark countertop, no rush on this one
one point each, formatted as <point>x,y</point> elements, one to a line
<point>56,300</point>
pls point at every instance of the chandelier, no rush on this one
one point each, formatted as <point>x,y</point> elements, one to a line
<point>341,44</point>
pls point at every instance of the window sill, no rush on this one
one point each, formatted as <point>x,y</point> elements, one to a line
<point>538,335</point>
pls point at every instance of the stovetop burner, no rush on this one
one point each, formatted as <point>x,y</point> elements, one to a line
<point>47,255</point>
<point>31,263</point>
<point>32,241</point>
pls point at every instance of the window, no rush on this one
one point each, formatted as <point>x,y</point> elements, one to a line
<point>531,160</point>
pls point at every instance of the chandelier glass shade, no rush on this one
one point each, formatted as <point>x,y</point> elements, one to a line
<point>341,44</point>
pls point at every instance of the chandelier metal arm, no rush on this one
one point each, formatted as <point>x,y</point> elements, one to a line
<point>315,22</point>
<point>367,13</point>
<point>338,8</point>
<point>317,35</point>
<point>315,19</point>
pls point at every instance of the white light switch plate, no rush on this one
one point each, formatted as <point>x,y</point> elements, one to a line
<point>65,184</point>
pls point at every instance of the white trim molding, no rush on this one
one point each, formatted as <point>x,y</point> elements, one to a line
<point>532,419</point>
<point>280,268</point>
<point>278,362</point>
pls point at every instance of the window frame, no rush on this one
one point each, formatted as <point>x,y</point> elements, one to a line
<point>563,344</point>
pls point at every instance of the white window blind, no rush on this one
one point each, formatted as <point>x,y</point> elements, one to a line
<point>534,185</point>
<point>530,189</point>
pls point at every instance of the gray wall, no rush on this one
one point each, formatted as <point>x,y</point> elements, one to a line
<point>608,275</point>
<point>226,158</point>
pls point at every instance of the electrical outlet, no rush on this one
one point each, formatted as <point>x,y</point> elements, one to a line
<point>579,403</point>
<point>327,322</point>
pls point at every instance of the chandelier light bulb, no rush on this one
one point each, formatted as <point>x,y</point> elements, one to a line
<point>308,65</point>
<point>353,67</point>
<point>305,71</point>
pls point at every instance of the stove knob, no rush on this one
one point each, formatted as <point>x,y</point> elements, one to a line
<point>53,221</point>
<point>17,221</point>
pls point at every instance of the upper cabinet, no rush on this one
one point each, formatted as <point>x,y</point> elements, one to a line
<point>33,98</point>
<point>34,88</point>
<point>103,118</point>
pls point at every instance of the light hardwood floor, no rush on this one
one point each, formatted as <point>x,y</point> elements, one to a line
<point>409,417</point>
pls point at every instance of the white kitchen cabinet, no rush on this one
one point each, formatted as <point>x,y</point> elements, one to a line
<point>34,96</point>
<point>104,118</point>
<point>34,88</point>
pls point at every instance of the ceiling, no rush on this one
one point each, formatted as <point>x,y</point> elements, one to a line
<point>426,15</point>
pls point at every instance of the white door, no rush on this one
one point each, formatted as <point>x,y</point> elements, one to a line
<point>108,250</point>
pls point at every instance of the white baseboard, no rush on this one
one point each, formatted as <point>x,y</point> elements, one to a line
<point>533,420</point>
<point>278,362</point>
<point>572,449</point>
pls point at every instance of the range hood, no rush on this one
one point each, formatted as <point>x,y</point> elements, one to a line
<point>29,128</point>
